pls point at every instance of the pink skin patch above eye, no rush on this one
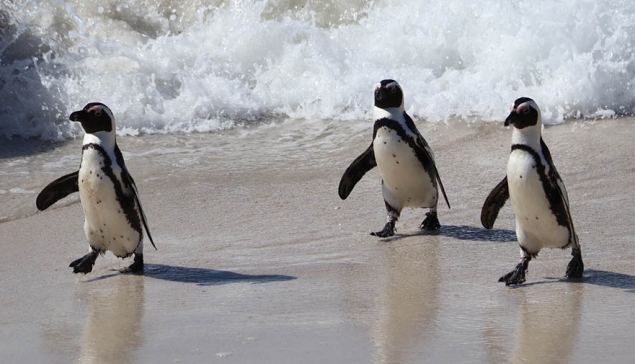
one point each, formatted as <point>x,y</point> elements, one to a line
<point>522,109</point>
<point>94,110</point>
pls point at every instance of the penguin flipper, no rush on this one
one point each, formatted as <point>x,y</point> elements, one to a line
<point>362,164</point>
<point>428,154</point>
<point>558,184</point>
<point>493,203</point>
<point>127,179</point>
<point>57,190</point>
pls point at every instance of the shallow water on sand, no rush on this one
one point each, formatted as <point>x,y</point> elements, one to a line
<point>260,261</point>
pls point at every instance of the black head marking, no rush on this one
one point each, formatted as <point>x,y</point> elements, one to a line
<point>388,94</point>
<point>523,114</point>
<point>94,117</point>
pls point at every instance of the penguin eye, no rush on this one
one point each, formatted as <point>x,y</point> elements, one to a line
<point>98,112</point>
<point>392,88</point>
<point>522,109</point>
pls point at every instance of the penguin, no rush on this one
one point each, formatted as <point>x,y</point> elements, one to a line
<point>409,176</point>
<point>537,193</point>
<point>108,194</point>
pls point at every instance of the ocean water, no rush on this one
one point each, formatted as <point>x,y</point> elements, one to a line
<point>196,66</point>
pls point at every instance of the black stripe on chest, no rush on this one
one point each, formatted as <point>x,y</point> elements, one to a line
<point>126,202</point>
<point>422,156</point>
<point>556,202</point>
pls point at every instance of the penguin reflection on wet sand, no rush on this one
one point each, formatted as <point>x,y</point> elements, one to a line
<point>405,161</point>
<point>538,195</point>
<point>108,194</point>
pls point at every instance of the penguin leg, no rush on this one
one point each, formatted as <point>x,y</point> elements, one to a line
<point>137,265</point>
<point>389,228</point>
<point>517,276</point>
<point>576,266</point>
<point>431,221</point>
<point>85,263</point>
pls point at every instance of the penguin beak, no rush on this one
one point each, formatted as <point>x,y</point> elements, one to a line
<point>379,93</point>
<point>511,119</point>
<point>78,115</point>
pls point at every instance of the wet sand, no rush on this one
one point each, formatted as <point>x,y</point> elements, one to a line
<point>259,260</point>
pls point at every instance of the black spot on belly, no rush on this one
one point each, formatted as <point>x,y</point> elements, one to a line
<point>104,224</point>
<point>122,236</point>
<point>91,172</point>
<point>536,217</point>
<point>384,142</point>
<point>394,156</point>
<point>521,176</point>
<point>397,162</point>
<point>101,231</point>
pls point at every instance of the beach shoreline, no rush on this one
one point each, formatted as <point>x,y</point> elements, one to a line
<point>260,261</point>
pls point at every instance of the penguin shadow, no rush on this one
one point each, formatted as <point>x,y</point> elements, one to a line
<point>200,276</point>
<point>608,279</point>
<point>208,277</point>
<point>463,232</point>
<point>592,276</point>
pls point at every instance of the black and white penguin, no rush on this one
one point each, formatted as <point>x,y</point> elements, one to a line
<point>538,195</point>
<point>406,162</point>
<point>108,194</point>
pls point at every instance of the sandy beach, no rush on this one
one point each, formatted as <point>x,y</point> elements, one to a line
<point>259,261</point>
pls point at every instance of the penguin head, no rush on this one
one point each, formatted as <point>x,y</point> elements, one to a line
<point>388,94</point>
<point>525,113</point>
<point>95,117</point>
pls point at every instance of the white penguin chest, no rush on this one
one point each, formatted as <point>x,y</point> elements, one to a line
<point>536,223</point>
<point>401,171</point>
<point>106,224</point>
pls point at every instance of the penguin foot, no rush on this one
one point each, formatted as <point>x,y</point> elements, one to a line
<point>576,266</point>
<point>136,267</point>
<point>85,263</point>
<point>517,276</point>
<point>431,222</point>
<point>389,230</point>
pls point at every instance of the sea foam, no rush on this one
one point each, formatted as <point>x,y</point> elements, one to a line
<point>195,66</point>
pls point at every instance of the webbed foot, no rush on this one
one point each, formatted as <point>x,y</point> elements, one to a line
<point>576,266</point>
<point>389,230</point>
<point>517,276</point>
<point>431,222</point>
<point>85,263</point>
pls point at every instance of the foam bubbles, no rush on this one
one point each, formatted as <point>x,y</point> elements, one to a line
<point>194,66</point>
